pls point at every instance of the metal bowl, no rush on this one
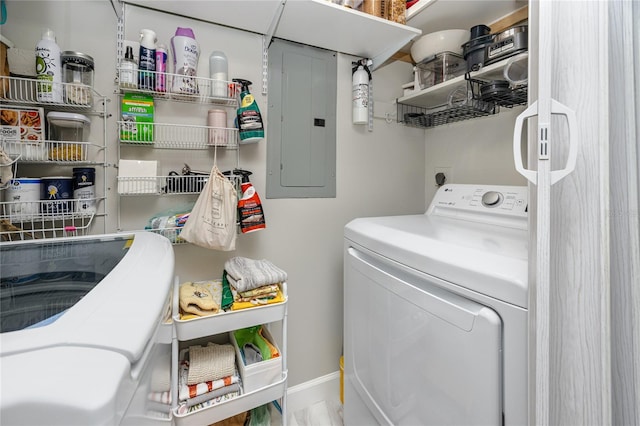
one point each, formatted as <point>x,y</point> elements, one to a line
<point>438,42</point>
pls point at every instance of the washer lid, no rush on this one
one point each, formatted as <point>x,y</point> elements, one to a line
<point>486,258</point>
<point>64,386</point>
<point>126,295</point>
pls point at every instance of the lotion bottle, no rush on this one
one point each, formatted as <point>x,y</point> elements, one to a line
<point>48,69</point>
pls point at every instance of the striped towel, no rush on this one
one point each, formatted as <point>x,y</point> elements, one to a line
<point>246,274</point>
<point>191,391</point>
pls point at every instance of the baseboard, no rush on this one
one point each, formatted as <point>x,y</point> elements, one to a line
<point>308,393</point>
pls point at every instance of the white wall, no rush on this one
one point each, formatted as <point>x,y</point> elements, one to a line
<point>477,151</point>
<point>378,173</point>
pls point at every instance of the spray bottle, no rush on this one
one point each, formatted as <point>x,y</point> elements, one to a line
<point>250,210</point>
<point>250,125</point>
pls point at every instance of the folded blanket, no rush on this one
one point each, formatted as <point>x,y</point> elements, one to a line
<point>197,299</point>
<point>246,274</point>
<point>211,362</point>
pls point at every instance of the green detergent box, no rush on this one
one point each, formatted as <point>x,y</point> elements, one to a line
<point>137,118</point>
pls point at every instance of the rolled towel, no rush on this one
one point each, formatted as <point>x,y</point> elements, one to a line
<point>246,274</point>
<point>197,299</point>
<point>211,362</point>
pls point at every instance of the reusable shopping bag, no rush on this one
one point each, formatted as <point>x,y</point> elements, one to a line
<point>212,222</point>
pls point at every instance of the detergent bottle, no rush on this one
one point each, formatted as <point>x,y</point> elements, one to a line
<point>249,205</point>
<point>250,127</point>
<point>186,53</point>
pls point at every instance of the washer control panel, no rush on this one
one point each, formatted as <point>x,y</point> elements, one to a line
<point>482,203</point>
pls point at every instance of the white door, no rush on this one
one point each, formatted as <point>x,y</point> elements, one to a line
<point>570,377</point>
<point>416,353</point>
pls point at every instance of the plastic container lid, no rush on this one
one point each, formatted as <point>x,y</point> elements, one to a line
<point>67,119</point>
<point>76,58</point>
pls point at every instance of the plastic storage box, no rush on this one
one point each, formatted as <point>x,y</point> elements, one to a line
<point>439,68</point>
<point>67,135</point>
<point>66,126</point>
<point>260,374</point>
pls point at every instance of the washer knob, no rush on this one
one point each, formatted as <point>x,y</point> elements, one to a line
<point>491,198</point>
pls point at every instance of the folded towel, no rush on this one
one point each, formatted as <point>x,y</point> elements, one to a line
<point>265,289</point>
<point>161,373</point>
<point>197,299</point>
<point>186,391</point>
<point>257,302</point>
<point>246,274</point>
<point>211,362</point>
<point>234,387</point>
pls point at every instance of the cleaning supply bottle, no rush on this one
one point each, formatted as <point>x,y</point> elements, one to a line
<point>250,211</point>
<point>186,52</point>
<point>147,65</point>
<point>249,119</point>
<point>48,69</point>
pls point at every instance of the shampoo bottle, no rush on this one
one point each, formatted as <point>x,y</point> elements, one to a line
<point>147,66</point>
<point>249,119</point>
<point>48,70</point>
<point>186,52</point>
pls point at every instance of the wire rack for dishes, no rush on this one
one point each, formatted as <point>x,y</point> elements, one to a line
<point>471,99</point>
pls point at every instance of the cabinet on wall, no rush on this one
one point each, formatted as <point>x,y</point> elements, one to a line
<point>261,383</point>
<point>28,140</point>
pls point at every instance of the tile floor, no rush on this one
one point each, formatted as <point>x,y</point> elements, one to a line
<point>323,413</point>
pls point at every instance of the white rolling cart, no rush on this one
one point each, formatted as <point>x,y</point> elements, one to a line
<point>270,382</point>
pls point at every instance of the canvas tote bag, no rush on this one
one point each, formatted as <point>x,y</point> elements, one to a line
<point>212,222</point>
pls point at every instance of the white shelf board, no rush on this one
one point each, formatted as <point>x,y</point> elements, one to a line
<point>318,23</point>
<point>438,15</point>
<point>438,95</point>
<point>327,25</point>
<point>249,15</point>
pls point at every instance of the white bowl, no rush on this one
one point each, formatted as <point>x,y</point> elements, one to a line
<point>438,42</point>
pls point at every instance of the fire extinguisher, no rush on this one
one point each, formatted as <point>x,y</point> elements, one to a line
<point>361,79</point>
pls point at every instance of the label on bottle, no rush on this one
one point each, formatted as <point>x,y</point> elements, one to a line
<point>47,66</point>
<point>128,74</point>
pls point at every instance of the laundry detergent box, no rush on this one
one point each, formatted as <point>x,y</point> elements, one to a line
<point>137,118</point>
<point>22,132</point>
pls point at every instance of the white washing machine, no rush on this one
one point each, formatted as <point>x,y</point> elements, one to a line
<point>435,312</point>
<point>84,329</point>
